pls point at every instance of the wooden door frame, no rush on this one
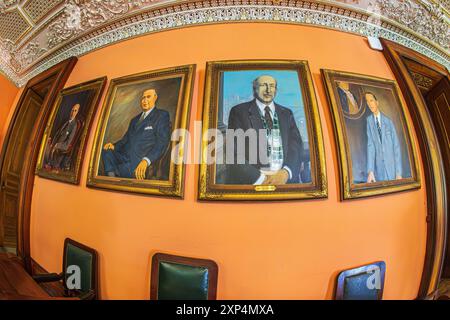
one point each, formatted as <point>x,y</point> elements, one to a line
<point>61,72</point>
<point>431,159</point>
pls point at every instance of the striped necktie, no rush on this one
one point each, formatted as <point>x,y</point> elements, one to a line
<point>379,128</point>
<point>268,118</point>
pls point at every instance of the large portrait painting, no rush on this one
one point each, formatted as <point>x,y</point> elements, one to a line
<point>262,138</point>
<point>63,144</point>
<point>376,152</point>
<point>133,143</point>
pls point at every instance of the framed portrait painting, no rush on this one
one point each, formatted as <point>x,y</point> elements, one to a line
<point>64,140</point>
<point>262,138</point>
<point>133,142</point>
<point>374,137</point>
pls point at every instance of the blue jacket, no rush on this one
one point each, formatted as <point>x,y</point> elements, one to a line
<point>148,139</point>
<point>383,158</point>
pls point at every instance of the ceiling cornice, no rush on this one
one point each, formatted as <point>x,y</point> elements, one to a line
<point>54,30</point>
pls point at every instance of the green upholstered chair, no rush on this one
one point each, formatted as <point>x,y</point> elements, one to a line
<point>76,255</point>
<point>362,283</point>
<point>182,278</point>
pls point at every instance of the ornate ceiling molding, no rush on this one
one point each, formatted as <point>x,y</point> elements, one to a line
<point>76,27</point>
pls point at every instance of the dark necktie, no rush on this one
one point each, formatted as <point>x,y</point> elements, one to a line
<point>268,118</point>
<point>141,118</point>
<point>379,128</point>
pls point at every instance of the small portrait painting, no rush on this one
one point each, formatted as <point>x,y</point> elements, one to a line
<point>374,135</point>
<point>64,140</point>
<point>133,146</point>
<point>266,121</point>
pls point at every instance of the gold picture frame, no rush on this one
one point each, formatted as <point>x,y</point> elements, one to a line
<point>64,140</point>
<point>367,145</point>
<point>122,91</point>
<point>295,78</point>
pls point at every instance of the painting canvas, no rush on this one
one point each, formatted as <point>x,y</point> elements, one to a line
<point>374,137</point>
<point>63,144</point>
<point>262,119</point>
<point>133,146</point>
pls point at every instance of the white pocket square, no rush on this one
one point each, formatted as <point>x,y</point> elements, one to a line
<point>148,128</point>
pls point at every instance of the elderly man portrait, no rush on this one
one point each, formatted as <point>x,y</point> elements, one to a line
<point>280,161</point>
<point>60,145</point>
<point>384,160</point>
<point>145,141</point>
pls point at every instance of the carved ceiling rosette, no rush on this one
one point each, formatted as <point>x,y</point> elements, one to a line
<point>6,4</point>
<point>82,15</point>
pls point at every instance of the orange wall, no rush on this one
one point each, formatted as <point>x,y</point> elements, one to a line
<point>8,92</point>
<point>271,250</point>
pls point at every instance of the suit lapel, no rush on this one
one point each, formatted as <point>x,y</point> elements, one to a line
<point>146,121</point>
<point>283,119</point>
<point>383,126</point>
<point>255,117</point>
<point>373,127</point>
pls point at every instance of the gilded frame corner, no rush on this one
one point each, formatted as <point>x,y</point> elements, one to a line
<point>348,189</point>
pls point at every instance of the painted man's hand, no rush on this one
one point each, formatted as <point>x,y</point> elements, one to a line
<point>371,177</point>
<point>140,170</point>
<point>108,146</point>
<point>279,178</point>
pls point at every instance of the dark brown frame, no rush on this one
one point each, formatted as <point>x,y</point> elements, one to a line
<point>95,269</point>
<point>206,263</point>
<point>339,293</point>
<point>61,73</point>
<point>431,159</point>
<point>72,177</point>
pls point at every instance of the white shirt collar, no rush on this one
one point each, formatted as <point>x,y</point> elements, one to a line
<point>263,106</point>
<point>378,117</point>
<point>146,113</point>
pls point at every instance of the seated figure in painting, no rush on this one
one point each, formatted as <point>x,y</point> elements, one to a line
<point>144,143</point>
<point>61,145</point>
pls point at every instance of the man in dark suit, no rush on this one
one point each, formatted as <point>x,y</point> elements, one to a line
<point>278,149</point>
<point>63,141</point>
<point>145,141</point>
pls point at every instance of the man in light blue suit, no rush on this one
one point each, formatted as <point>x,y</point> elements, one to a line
<point>384,160</point>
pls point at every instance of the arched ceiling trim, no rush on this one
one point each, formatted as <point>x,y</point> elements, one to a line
<point>37,34</point>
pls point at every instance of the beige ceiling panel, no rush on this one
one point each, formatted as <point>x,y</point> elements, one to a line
<point>38,9</point>
<point>13,25</point>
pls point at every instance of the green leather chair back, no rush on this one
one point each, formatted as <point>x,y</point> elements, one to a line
<point>182,282</point>
<point>182,278</point>
<point>363,283</point>
<point>76,254</point>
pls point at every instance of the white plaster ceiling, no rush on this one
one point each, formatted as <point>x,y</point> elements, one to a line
<point>36,34</point>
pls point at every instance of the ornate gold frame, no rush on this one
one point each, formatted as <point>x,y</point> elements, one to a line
<point>208,190</point>
<point>174,187</point>
<point>74,178</point>
<point>349,190</point>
